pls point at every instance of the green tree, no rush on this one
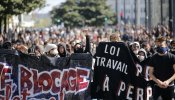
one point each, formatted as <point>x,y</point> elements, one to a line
<point>83,12</point>
<point>17,7</point>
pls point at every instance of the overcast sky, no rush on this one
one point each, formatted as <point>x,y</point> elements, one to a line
<point>50,4</point>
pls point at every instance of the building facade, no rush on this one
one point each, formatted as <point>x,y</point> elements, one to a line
<point>148,13</point>
<point>126,11</point>
<point>158,12</point>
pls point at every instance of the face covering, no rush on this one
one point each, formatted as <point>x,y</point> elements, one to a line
<point>162,50</point>
<point>136,52</point>
<point>78,50</point>
<point>54,52</point>
<point>141,58</point>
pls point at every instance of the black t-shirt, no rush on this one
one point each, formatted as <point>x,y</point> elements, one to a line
<point>163,65</point>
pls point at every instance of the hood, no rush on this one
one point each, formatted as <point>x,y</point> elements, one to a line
<point>136,43</point>
<point>144,51</point>
<point>50,47</point>
<point>64,54</point>
<point>79,50</point>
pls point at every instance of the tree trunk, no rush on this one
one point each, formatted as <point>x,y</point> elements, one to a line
<point>0,25</point>
<point>161,11</point>
<point>5,24</point>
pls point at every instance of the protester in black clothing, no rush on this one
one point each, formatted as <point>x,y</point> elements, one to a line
<point>78,48</point>
<point>162,67</point>
<point>62,51</point>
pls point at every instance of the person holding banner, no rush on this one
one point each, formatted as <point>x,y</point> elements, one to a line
<point>162,71</point>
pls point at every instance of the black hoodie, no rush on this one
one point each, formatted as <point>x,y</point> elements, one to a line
<point>87,47</point>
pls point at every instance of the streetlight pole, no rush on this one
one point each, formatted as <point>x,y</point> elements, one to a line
<point>171,15</point>
<point>137,13</point>
<point>146,14</point>
<point>161,11</point>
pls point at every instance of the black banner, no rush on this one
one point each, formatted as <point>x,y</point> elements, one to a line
<point>24,77</point>
<point>116,74</point>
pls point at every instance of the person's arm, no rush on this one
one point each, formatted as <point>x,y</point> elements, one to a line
<point>88,45</point>
<point>151,73</point>
<point>172,78</point>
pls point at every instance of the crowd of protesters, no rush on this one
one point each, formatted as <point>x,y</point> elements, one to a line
<point>79,40</point>
<point>63,42</point>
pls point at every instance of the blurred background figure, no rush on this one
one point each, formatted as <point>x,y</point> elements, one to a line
<point>7,45</point>
<point>22,48</point>
<point>115,37</point>
<point>35,50</point>
<point>172,50</point>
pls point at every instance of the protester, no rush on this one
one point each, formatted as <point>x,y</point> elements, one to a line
<point>142,55</point>
<point>51,50</point>
<point>115,38</point>
<point>172,50</point>
<point>35,51</point>
<point>62,50</point>
<point>162,67</point>
<point>60,42</point>
<point>22,48</point>
<point>135,47</point>
<point>147,47</point>
<point>79,48</point>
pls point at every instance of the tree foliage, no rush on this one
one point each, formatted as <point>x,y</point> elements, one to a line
<point>83,12</point>
<point>15,7</point>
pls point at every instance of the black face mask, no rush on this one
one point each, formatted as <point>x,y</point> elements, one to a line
<point>78,50</point>
<point>62,54</point>
<point>162,50</point>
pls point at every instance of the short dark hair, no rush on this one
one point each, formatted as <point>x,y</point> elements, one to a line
<point>172,42</point>
<point>160,39</point>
